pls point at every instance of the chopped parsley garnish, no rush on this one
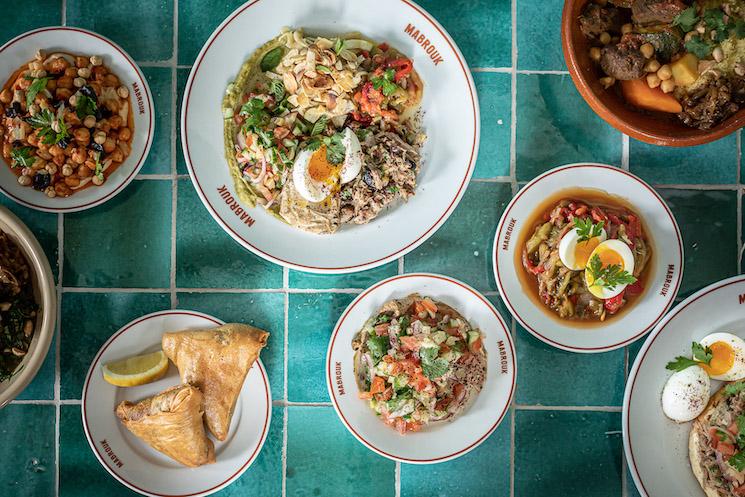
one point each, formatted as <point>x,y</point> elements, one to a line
<point>323,69</point>
<point>609,276</point>
<point>701,355</point>
<point>586,229</point>
<point>714,19</point>
<point>271,59</point>
<point>699,47</point>
<point>687,19</point>
<point>737,461</point>
<point>99,169</point>
<point>277,89</point>
<point>383,318</point>
<point>22,157</point>
<point>335,150</point>
<point>44,121</point>
<point>338,46</point>
<point>734,388</point>
<point>378,347</point>
<point>432,366</point>
<point>319,126</point>
<point>403,323</point>
<point>256,115</point>
<point>392,189</point>
<point>85,106</point>
<point>385,82</point>
<point>740,439</point>
<point>33,90</point>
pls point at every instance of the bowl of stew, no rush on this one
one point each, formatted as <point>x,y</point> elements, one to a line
<point>28,306</point>
<point>587,257</point>
<point>666,72</point>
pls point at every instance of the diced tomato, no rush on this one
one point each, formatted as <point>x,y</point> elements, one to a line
<point>365,395</point>
<point>410,343</point>
<point>400,425</point>
<point>410,365</point>
<point>614,303</point>
<point>634,227</point>
<point>419,382</point>
<point>384,47</point>
<point>598,215</point>
<point>714,437</point>
<point>281,132</point>
<point>739,490</point>
<point>733,428</point>
<point>385,395</point>
<point>529,266</point>
<point>388,359</point>
<point>429,306</point>
<point>377,385</point>
<point>402,66</point>
<point>635,288</point>
<point>413,425</point>
<point>726,449</point>
<point>365,54</point>
<point>615,219</point>
<point>459,390</point>
<point>381,329</point>
<point>580,211</point>
<point>452,332</point>
<point>476,345</point>
<point>573,298</point>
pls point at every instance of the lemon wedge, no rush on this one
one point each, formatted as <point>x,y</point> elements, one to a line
<point>136,370</point>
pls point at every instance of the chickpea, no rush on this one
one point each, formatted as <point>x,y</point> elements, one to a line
<point>52,84</point>
<point>36,66</point>
<point>111,80</point>
<point>96,87</point>
<point>73,99</point>
<point>79,155</point>
<point>62,189</point>
<point>49,191</point>
<point>104,126</point>
<point>96,60</point>
<point>71,72</point>
<point>99,137</point>
<point>82,135</point>
<point>72,181</point>
<point>64,82</point>
<point>23,83</point>
<point>109,145</point>
<point>122,91</point>
<point>99,72</point>
<point>90,164</point>
<point>647,50</point>
<point>117,155</point>
<point>81,61</point>
<point>62,93</point>
<point>51,168</point>
<point>27,171</point>
<point>84,72</point>
<point>78,82</point>
<point>84,172</point>
<point>667,85</point>
<point>125,134</point>
<point>39,164</point>
<point>98,180</point>
<point>6,96</point>
<point>665,72</point>
<point>116,121</point>
<point>55,150</point>
<point>59,160</point>
<point>24,180</point>
<point>89,121</point>
<point>67,170</point>
<point>32,140</point>
<point>595,54</point>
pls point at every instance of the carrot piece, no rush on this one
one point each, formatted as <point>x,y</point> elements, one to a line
<point>377,386</point>
<point>638,93</point>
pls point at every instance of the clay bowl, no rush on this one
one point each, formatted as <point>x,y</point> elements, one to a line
<point>654,128</point>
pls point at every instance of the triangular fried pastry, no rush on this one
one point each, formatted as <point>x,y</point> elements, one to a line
<point>216,360</point>
<point>171,422</point>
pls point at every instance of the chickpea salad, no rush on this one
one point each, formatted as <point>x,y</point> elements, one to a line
<point>66,123</point>
<point>418,361</point>
<point>324,131</point>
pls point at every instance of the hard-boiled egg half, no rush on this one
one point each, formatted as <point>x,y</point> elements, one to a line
<point>686,394</point>
<point>573,253</point>
<point>316,178</point>
<point>728,356</point>
<point>610,252</point>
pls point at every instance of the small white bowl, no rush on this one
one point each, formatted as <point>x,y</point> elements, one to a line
<point>661,284</point>
<point>657,448</point>
<point>46,298</point>
<point>20,50</point>
<point>450,119</point>
<point>439,442</point>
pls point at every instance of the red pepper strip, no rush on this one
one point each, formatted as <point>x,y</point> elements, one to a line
<point>598,215</point>
<point>635,288</point>
<point>615,219</point>
<point>634,228</point>
<point>403,68</point>
<point>614,303</point>
<point>528,265</point>
<point>384,47</point>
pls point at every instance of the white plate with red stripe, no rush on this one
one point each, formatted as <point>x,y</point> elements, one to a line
<point>450,119</point>
<point>439,442</point>
<point>656,447</point>
<point>20,50</point>
<point>137,465</point>
<point>661,285</point>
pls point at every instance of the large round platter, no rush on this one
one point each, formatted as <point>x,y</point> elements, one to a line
<point>656,447</point>
<point>440,442</point>
<point>661,285</point>
<point>450,119</point>
<point>20,50</point>
<point>137,465</point>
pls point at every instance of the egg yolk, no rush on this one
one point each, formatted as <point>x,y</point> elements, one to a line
<point>722,359</point>
<point>583,250</point>
<point>609,257</point>
<point>320,169</point>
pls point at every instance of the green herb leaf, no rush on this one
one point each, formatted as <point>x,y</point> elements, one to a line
<point>737,461</point>
<point>403,323</point>
<point>335,149</point>
<point>432,366</point>
<point>609,276</point>
<point>680,363</point>
<point>323,69</point>
<point>734,388</point>
<point>271,59</point>
<point>99,168</point>
<point>22,157</point>
<point>85,106</point>
<point>257,118</point>
<point>586,229</point>
<point>699,47</point>
<point>739,28</point>
<point>714,19</point>
<point>319,126</point>
<point>687,19</point>
<point>378,347</point>
<point>43,121</point>
<point>33,90</point>
<point>385,82</point>
<point>338,46</point>
<point>701,353</point>
<point>383,318</point>
<point>740,438</point>
<point>277,89</point>
<point>313,144</point>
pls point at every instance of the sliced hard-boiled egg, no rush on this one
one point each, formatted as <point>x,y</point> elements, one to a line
<point>686,394</point>
<point>575,254</point>
<point>610,252</point>
<point>315,177</point>
<point>728,356</point>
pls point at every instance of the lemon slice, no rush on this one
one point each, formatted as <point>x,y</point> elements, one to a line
<point>136,370</point>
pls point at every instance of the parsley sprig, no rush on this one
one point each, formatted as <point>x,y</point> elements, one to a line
<point>609,276</point>
<point>22,157</point>
<point>44,122</point>
<point>38,85</point>
<point>85,106</point>
<point>385,82</point>
<point>432,365</point>
<point>701,355</point>
<point>734,388</point>
<point>586,229</point>
<point>335,149</point>
<point>687,19</point>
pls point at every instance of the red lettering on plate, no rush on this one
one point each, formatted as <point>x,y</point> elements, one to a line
<point>502,357</point>
<point>508,233</point>
<point>234,206</point>
<point>427,45</point>
<point>138,94</point>
<point>668,279</point>
<point>110,452</point>
<point>339,382</point>
<point>742,298</point>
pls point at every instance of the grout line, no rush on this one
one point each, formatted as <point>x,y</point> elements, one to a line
<point>154,176</point>
<point>285,414</point>
<point>527,71</point>
<point>397,479</point>
<point>513,101</point>
<point>287,403</point>
<point>63,16</point>
<point>284,289</point>
<point>401,265</point>
<point>624,485</point>
<point>58,347</point>
<point>286,354</point>
<point>685,186</point>
<point>625,146</point>
<point>492,69</point>
<point>174,180</point>
<point>525,407</point>
<point>739,230</point>
<point>47,402</point>
<point>495,179</point>
<point>513,415</point>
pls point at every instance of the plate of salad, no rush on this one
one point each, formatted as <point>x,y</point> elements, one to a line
<point>421,358</point>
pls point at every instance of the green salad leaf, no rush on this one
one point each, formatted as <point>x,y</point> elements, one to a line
<point>687,19</point>
<point>33,90</point>
<point>385,82</point>
<point>22,157</point>
<point>271,59</point>
<point>378,347</point>
<point>432,365</point>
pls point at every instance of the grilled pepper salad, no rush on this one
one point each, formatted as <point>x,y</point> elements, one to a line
<point>418,361</point>
<point>324,131</point>
<point>587,259</point>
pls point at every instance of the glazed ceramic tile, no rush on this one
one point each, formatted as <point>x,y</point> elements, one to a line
<point>544,372</point>
<point>461,248</point>
<point>124,242</point>
<point>324,459</point>
<point>567,453</point>
<point>195,29</point>
<point>311,320</point>
<point>27,450</point>
<point>485,471</point>
<point>207,257</point>
<point>363,279</point>
<point>539,36</point>
<point>18,17</point>
<point>555,126</point>
<point>495,100</point>
<point>144,28</point>
<point>714,163</point>
<point>263,310</point>
<point>181,76</point>
<point>159,159</point>
<point>88,320</point>
<point>42,386</point>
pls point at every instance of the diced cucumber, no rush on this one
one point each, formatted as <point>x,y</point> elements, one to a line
<point>473,336</point>
<point>439,336</point>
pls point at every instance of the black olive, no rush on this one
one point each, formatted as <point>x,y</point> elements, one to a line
<point>97,147</point>
<point>14,110</point>
<point>63,143</point>
<point>98,115</point>
<point>17,144</point>
<point>88,92</point>
<point>368,179</point>
<point>42,180</point>
<point>106,113</point>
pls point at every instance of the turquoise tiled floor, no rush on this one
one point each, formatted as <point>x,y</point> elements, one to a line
<point>120,261</point>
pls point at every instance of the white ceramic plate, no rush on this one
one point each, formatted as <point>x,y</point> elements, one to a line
<point>20,50</point>
<point>439,442</point>
<point>661,285</point>
<point>137,465</point>
<point>657,448</point>
<point>451,121</point>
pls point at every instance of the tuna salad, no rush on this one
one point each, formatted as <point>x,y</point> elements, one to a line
<point>323,132</point>
<point>418,361</point>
